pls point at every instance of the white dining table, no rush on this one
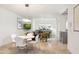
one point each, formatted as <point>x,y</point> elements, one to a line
<point>26,37</point>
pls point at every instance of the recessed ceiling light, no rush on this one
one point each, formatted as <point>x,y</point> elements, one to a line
<point>26,5</point>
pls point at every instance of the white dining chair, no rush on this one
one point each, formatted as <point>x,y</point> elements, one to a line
<point>20,43</point>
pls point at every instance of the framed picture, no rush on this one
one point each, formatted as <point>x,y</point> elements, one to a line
<point>24,24</point>
<point>76,18</point>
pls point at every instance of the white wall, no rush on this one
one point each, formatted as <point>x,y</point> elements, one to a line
<point>73,37</point>
<point>8,25</point>
<point>61,21</point>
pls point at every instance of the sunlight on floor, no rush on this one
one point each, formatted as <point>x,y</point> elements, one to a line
<point>42,48</point>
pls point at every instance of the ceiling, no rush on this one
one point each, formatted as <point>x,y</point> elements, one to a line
<point>35,9</point>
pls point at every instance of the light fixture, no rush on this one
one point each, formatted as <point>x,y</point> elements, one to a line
<point>26,5</point>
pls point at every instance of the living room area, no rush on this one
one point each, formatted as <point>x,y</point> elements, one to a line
<point>34,29</point>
